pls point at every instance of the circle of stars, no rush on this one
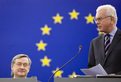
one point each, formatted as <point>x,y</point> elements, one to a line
<point>46,30</point>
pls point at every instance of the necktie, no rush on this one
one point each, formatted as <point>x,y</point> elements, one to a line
<point>107,43</point>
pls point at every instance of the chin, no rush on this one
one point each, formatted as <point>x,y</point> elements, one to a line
<point>100,30</point>
<point>22,76</point>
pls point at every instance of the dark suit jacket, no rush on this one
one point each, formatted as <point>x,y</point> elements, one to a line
<point>112,61</point>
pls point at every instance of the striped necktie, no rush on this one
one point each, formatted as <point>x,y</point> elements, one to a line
<point>107,43</point>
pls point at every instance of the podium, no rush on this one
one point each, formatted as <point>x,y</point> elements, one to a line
<point>87,79</point>
<point>18,79</point>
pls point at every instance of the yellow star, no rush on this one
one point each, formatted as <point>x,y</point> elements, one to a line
<point>90,19</point>
<point>46,30</point>
<point>57,18</point>
<point>41,45</point>
<point>100,32</point>
<point>74,14</point>
<point>58,74</point>
<point>45,61</point>
<point>71,76</point>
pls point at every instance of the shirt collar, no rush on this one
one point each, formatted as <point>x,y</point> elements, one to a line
<point>112,33</point>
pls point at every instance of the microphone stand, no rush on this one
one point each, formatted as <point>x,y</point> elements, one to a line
<point>80,47</point>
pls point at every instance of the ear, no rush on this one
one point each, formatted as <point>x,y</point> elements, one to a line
<point>112,20</point>
<point>28,68</point>
<point>12,67</point>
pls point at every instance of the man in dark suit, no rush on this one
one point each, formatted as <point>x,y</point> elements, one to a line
<point>106,48</point>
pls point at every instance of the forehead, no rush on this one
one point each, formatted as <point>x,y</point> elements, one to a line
<point>101,13</point>
<point>22,60</point>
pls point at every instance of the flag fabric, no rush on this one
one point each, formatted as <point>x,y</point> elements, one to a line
<point>49,32</point>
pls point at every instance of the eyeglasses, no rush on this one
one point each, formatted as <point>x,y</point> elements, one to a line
<point>24,64</point>
<point>100,18</point>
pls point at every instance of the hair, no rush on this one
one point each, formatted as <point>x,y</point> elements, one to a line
<point>18,57</point>
<point>110,11</point>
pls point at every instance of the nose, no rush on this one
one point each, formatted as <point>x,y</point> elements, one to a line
<point>97,22</point>
<point>22,66</point>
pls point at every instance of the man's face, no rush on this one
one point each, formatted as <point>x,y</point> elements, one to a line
<point>103,22</point>
<point>21,67</point>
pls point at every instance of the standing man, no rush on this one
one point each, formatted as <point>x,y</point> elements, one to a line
<point>20,66</point>
<point>106,48</point>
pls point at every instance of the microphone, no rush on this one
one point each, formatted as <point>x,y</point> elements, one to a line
<point>80,47</point>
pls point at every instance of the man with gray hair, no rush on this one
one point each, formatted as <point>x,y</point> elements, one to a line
<point>20,66</point>
<point>106,48</point>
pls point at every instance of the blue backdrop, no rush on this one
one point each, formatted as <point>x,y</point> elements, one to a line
<point>49,32</point>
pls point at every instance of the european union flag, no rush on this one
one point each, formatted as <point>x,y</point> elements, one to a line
<point>49,32</point>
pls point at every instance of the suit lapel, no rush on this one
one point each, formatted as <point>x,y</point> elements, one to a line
<point>115,41</point>
<point>102,47</point>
